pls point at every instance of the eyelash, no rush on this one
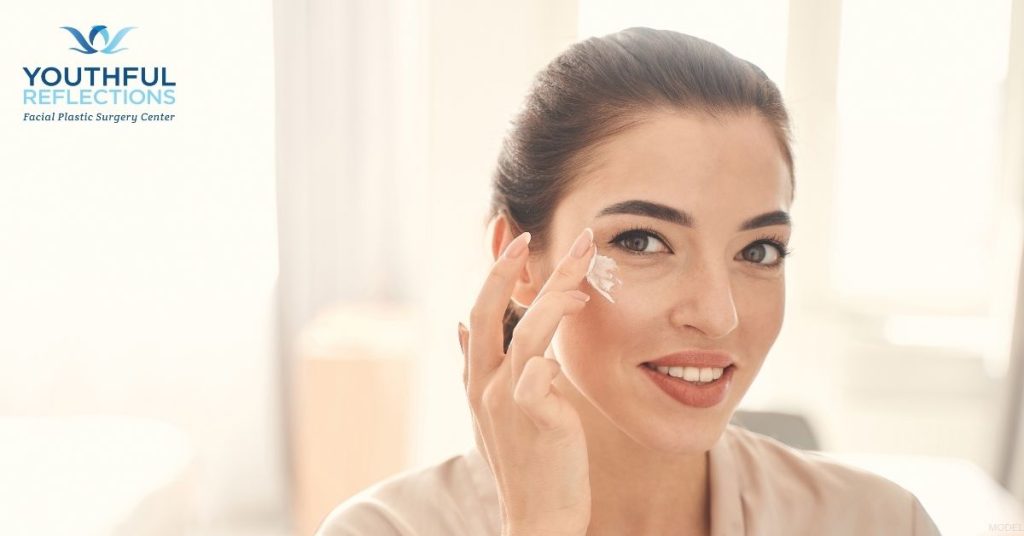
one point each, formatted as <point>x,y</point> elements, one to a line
<point>773,240</point>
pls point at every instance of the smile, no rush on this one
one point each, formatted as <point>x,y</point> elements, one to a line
<point>694,375</point>
<point>695,393</point>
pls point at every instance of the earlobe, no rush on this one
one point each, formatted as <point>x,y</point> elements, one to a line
<point>501,235</point>
<point>524,294</point>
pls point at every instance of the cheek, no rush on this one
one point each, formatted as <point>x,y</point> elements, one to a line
<point>761,306</point>
<point>609,334</point>
<point>644,284</point>
<point>604,336</point>
<point>764,300</point>
<point>604,340</point>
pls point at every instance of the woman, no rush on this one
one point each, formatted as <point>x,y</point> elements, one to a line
<point>640,214</point>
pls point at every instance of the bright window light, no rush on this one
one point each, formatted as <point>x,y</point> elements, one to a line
<point>919,107</point>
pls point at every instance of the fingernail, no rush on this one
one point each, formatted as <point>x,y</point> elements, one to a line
<point>580,295</point>
<point>517,246</point>
<point>583,243</point>
<point>462,329</point>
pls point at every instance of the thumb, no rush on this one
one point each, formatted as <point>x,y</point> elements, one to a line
<point>463,340</point>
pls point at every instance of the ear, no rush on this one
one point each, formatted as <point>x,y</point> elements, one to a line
<point>501,235</point>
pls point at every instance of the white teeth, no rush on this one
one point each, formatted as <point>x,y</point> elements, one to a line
<point>693,374</point>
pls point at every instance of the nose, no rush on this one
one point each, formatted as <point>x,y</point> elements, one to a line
<point>705,302</point>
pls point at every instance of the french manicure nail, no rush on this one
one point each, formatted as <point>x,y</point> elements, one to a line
<point>580,295</point>
<point>517,246</point>
<point>583,243</point>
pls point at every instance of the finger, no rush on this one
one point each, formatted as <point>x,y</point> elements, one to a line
<point>486,337</point>
<point>533,333</point>
<point>478,439</point>
<point>533,393</point>
<point>573,267</point>
<point>477,436</point>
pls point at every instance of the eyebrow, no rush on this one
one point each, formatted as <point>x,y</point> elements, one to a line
<point>640,207</point>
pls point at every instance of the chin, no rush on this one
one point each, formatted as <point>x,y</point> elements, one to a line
<point>694,436</point>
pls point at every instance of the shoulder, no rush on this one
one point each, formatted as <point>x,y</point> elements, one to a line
<point>452,497</point>
<point>768,461</point>
<point>820,491</point>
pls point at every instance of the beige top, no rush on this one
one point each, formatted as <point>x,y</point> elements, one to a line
<point>759,486</point>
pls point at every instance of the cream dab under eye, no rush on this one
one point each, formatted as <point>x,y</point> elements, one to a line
<point>601,275</point>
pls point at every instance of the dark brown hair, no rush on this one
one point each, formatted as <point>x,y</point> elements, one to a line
<point>604,85</point>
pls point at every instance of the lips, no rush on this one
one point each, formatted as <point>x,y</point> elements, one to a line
<point>693,358</point>
<point>691,394</point>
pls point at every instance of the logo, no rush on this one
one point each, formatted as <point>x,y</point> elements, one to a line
<point>90,46</point>
<point>86,92</point>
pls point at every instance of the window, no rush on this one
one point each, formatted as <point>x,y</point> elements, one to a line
<point>920,102</point>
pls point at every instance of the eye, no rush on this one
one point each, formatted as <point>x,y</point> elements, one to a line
<point>636,241</point>
<point>767,252</point>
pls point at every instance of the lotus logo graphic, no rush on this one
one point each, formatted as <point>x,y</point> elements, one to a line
<point>91,46</point>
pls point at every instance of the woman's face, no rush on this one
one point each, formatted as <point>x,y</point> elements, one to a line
<point>708,285</point>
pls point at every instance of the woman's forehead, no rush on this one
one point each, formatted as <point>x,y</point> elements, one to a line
<point>719,169</point>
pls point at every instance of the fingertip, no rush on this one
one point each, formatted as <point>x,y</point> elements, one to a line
<point>593,260</point>
<point>580,295</point>
<point>462,337</point>
<point>518,246</point>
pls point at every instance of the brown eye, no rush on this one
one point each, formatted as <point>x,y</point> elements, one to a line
<point>765,253</point>
<point>639,242</point>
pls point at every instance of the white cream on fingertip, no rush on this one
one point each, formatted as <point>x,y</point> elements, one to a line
<point>600,275</point>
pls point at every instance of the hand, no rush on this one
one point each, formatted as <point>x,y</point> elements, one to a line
<point>529,433</point>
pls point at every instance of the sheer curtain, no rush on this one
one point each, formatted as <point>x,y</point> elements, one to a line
<point>389,121</point>
<point>383,171</point>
